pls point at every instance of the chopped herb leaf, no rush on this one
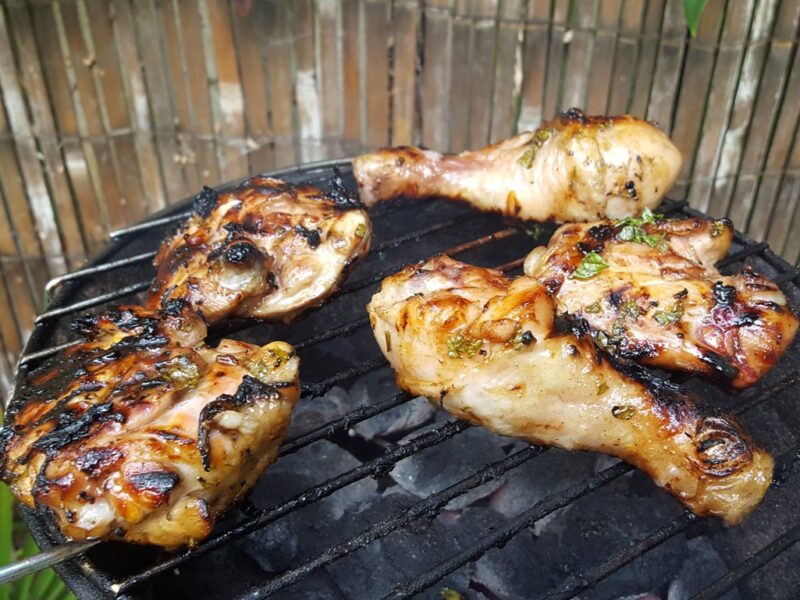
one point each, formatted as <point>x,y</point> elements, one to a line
<point>623,412</point>
<point>630,309</point>
<point>667,317</point>
<point>361,230</point>
<point>630,229</point>
<point>537,141</point>
<point>180,371</point>
<point>594,307</point>
<point>590,265</point>
<point>459,344</point>
<point>602,388</point>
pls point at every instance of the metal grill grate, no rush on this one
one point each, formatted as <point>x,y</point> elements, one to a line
<point>116,569</point>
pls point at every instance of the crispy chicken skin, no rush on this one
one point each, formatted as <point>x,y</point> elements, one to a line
<point>143,434</point>
<point>266,250</point>
<point>573,168</point>
<point>484,348</point>
<point>662,302</point>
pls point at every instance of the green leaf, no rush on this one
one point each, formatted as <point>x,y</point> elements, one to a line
<point>42,583</point>
<point>590,266</point>
<point>692,9</point>
<point>22,589</point>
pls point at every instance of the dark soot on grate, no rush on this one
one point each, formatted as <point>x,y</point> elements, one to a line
<point>565,550</point>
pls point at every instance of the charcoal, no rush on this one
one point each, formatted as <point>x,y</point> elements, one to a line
<point>436,468</point>
<point>311,413</point>
<point>299,535</point>
<point>702,565</point>
<point>541,477</point>
<point>399,420</point>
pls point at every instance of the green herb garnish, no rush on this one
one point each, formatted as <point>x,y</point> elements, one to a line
<point>602,388</point>
<point>667,317</point>
<point>590,265</point>
<point>630,309</point>
<point>180,371</point>
<point>361,230</point>
<point>623,412</point>
<point>631,229</point>
<point>537,141</point>
<point>459,344</point>
<point>594,307</point>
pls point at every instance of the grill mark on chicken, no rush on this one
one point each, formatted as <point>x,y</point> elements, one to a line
<point>558,389</point>
<point>265,249</point>
<point>657,297</point>
<point>107,439</point>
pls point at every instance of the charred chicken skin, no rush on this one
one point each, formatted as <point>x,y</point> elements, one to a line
<point>266,250</point>
<point>485,348</point>
<point>647,289</point>
<point>573,168</point>
<point>141,433</point>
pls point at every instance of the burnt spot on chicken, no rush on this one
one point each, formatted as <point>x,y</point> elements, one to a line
<point>95,460</point>
<point>719,364</point>
<point>344,198</point>
<point>249,391</point>
<point>72,427</point>
<point>206,201</point>
<point>312,236</point>
<point>724,295</point>
<point>158,483</point>
<point>630,188</point>
<point>722,448</point>
<point>242,253</point>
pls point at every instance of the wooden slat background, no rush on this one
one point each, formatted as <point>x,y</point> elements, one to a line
<point>112,109</point>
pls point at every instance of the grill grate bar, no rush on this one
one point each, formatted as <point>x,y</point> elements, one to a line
<point>118,233</point>
<point>101,268</point>
<point>318,388</point>
<point>741,254</point>
<point>498,537</point>
<point>581,582</point>
<point>96,301</point>
<point>431,505</point>
<point>400,240</point>
<point>481,241</point>
<point>375,467</point>
<point>362,413</point>
<point>46,352</point>
<point>752,564</point>
<point>356,286</point>
<point>345,329</point>
<point>578,583</point>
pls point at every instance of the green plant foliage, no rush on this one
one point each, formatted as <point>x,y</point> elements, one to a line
<point>692,9</point>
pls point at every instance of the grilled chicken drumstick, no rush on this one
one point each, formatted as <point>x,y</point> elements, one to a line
<point>266,250</point>
<point>573,168</point>
<point>648,290</point>
<point>141,433</point>
<point>485,348</point>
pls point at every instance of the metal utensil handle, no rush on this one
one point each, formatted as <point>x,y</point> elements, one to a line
<point>32,564</point>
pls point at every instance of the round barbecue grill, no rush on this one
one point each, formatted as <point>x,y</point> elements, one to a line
<point>378,494</point>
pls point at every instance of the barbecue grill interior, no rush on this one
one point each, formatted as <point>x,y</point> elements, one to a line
<point>565,521</point>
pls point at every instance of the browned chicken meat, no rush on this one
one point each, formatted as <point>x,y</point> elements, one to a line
<point>485,348</point>
<point>266,250</point>
<point>648,290</point>
<point>143,434</point>
<point>573,168</point>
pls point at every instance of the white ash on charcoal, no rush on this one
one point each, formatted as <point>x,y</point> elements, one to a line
<point>303,533</point>
<point>311,413</point>
<point>584,535</point>
<point>397,421</point>
<point>701,566</point>
<point>433,469</point>
<point>405,554</point>
<point>540,477</point>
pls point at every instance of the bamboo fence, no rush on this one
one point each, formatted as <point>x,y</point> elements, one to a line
<point>112,109</point>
